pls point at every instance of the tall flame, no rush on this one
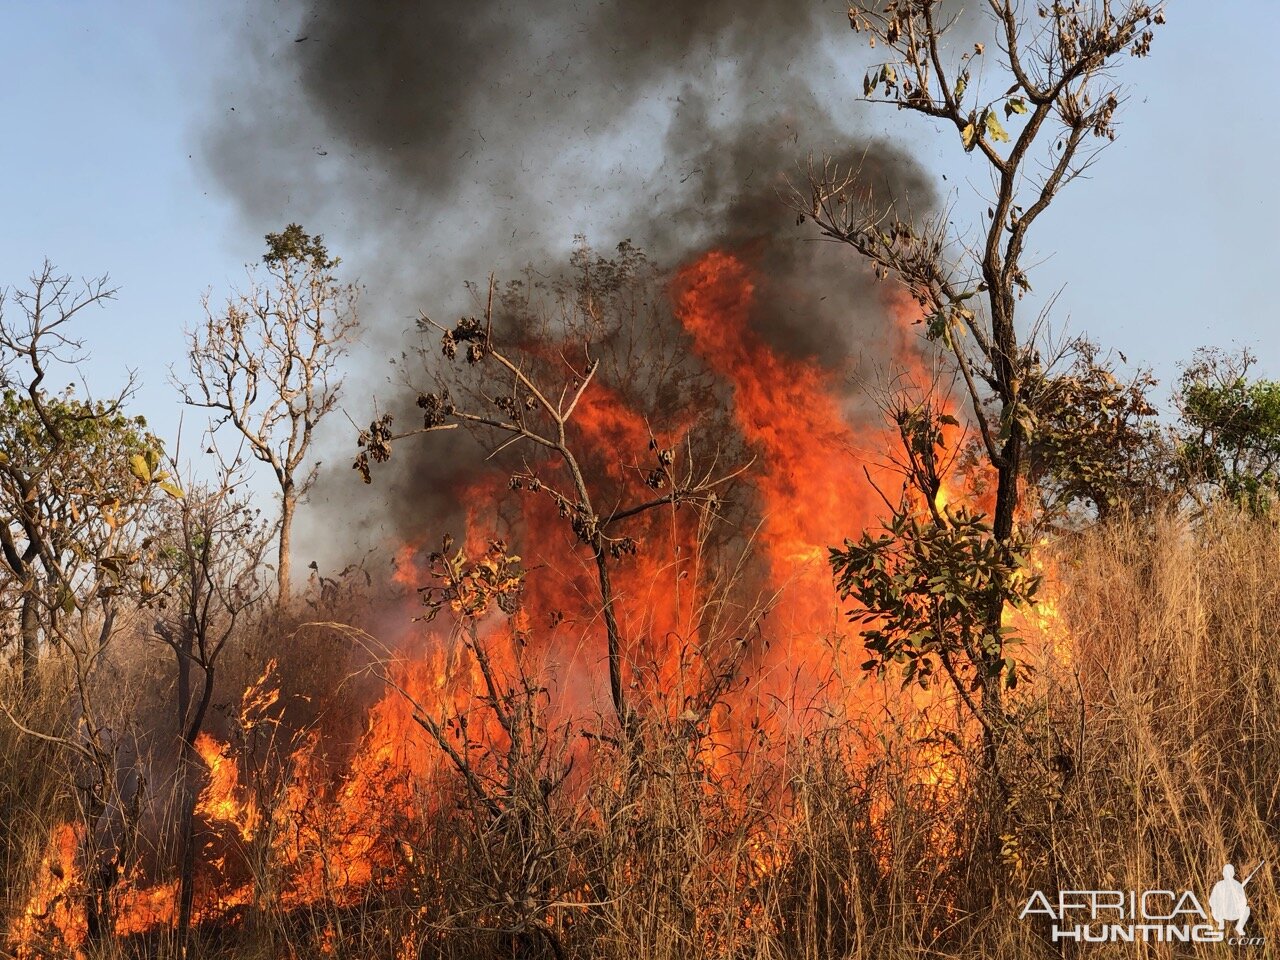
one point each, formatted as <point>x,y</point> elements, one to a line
<point>334,832</point>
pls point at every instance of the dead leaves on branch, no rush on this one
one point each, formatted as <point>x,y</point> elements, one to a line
<point>471,589</point>
<point>1055,64</point>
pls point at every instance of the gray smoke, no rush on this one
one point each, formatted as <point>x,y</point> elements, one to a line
<point>435,142</point>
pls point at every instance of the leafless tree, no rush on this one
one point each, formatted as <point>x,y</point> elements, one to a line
<point>211,559</point>
<point>514,405</point>
<point>267,364</point>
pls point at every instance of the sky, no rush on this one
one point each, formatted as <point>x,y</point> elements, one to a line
<point>101,105</point>
<point>105,105</point>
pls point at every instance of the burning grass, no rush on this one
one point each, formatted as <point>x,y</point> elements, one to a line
<point>1145,754</point>
<point>469,788</point>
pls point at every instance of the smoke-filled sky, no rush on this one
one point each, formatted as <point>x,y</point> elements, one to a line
<point>432,142</point>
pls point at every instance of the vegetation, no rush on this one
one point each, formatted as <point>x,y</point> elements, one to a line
<point>1048,78</point>
<point>611,718</point>
<point>266,363</point>
<point>1230,445</point>
<point>1167,631</point>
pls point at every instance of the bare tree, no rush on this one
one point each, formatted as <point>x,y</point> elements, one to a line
<point>211,557</point>
<point>1053,86</point>
<point>266,363</point>
<point>513,404</point>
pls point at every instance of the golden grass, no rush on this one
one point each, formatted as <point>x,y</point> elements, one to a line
<point>1145,756</point>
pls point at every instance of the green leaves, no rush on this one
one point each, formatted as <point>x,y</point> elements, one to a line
<point>78,478</point>
<point>940,324</point>
<point>885,75</point>
<point>923,592</point>
<point>1230,443</point>
<point>145,466</point>
<point>293,245</point>
<point>1020,415</point>
<point>141,468</point>
<point>939,328</point>
<point>930,591</point>
<point>170,488</point>
<point>987,124</point>
<point>1093,440</point>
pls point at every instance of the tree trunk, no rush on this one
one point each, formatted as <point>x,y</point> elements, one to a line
<point>187,772</point>
<point>1009,473</point>
<point>30,630</point>
<point>191,769</point>
<point>614,639</point>
<point>188,775</point>
<point>994,789</point>
<point>1007,488</point>
<point>284,572</point>
<point>1002,527</point>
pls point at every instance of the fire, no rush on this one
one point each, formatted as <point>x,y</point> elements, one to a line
<point>146,908</point>
<point>815,468</point>
<point>54,915</point>
<point>787,411</point>
<point>333,830</point>
<point>1042,623</point>
<point>221,800</point>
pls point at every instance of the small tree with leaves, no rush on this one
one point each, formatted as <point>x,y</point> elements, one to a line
<point>924,586</point>
<point>1095,448</point>
<point>266,363</point>
<point>75,473</point>
<point>79,481</point>
<point>1228,442</point>
<point>1049,80</point>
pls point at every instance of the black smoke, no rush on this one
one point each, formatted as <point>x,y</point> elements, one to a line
<point>435,142</point>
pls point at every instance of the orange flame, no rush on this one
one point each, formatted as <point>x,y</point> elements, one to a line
<point>335,833</point>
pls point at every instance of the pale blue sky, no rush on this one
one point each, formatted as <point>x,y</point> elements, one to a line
<point>101,105</point>
<point>1169,246</point>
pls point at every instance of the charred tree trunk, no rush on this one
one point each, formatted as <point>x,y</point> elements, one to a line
<point>613,637</point>
<point>192,706</point>
<point>192,768</point>
<point>1008,477</point>
<point>187,773</point>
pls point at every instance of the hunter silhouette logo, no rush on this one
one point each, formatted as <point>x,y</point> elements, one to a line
<point>1228,901</point>
<point>1149,916</point>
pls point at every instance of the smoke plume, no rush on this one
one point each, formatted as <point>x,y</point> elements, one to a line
<point>436,142</point>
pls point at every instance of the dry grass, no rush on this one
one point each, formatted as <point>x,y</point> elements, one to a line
<point>1145,756</point>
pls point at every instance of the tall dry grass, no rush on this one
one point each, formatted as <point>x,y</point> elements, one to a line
<point>1145,754</point>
